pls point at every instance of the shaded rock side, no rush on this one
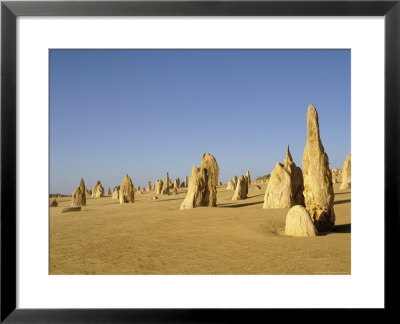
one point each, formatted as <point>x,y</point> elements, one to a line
<point>209,163</point>
<point>53,202</point>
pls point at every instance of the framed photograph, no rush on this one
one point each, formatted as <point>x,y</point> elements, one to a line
<point>197,160</point>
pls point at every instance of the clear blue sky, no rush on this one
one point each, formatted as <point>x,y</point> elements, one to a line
<point>146,112</point>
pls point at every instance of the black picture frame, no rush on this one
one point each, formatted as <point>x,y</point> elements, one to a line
<point>10,10</point>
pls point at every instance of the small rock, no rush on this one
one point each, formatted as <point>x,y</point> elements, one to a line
<point>230,185</point>
<point>299,223</point>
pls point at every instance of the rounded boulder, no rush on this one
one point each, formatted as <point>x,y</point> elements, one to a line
<point>299,223</point>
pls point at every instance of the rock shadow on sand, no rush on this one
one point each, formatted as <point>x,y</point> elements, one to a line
<point>165,200</point>
<point>343,229</point>
<point>239,205</point>
<point>342,193</point>
<point>338,202</point>
<point>249,197</point>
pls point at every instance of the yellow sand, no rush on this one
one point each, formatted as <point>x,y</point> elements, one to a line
<point>155,237</point>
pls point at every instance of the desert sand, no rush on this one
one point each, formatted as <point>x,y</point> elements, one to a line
<point>155,237</point>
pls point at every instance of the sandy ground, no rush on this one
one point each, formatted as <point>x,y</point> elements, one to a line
<point>155,237</point>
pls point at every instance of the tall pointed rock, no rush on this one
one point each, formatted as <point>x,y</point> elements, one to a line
<point>318,189</point>
<point>296,178</point>
<point>248,177</point>
<point>166,185</point>
<point>79,195</point>
<point>288,159</point>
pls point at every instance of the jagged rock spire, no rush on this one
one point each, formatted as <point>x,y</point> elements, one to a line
<point>318,190</point>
